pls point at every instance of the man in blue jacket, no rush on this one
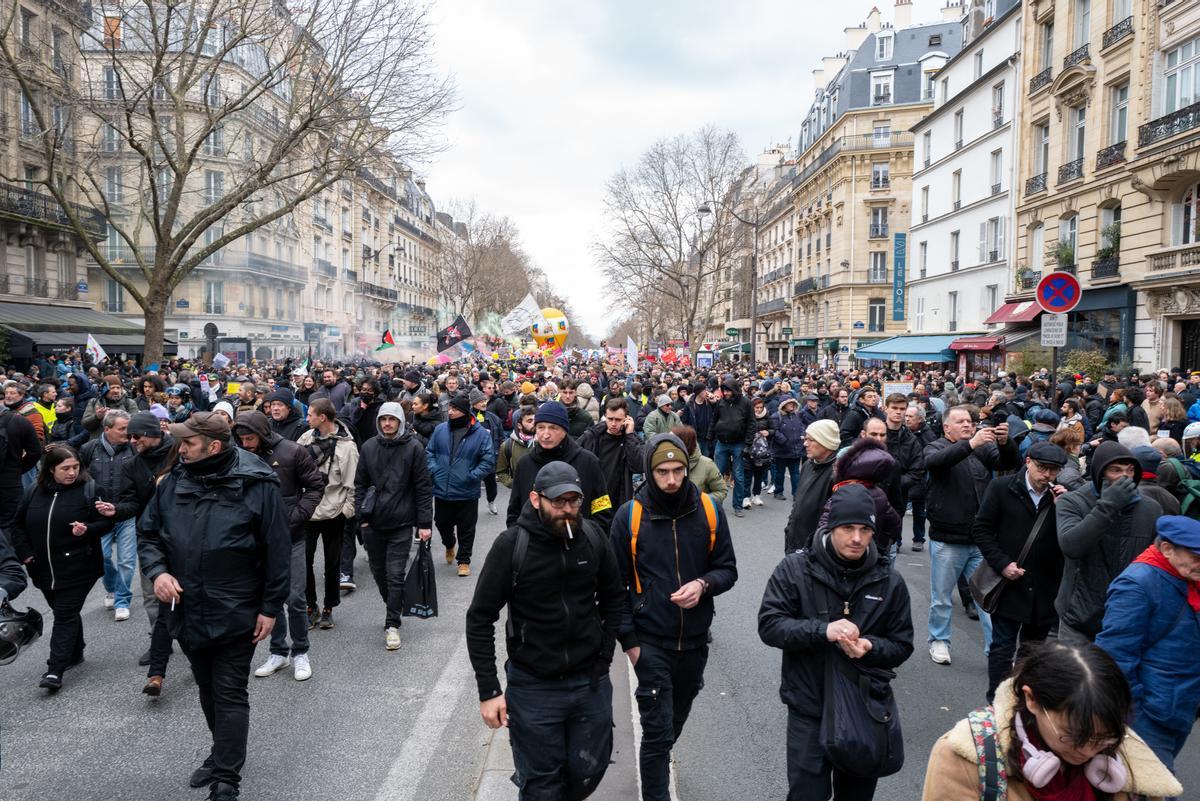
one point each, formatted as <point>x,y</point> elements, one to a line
<point>460,454</point>
<point>675,555</point>
<point>1152,630</point>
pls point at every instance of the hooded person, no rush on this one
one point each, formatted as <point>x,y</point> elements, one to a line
<point>675,555</point>
<point>515,445</point>
<point>866,463</point>
<point>393,497</point>
<point>1102,527</point>
<point>730,433</point>
<point>1149,460</point>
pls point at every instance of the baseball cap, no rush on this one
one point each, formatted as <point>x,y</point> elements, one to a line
<point>557,479</point>
<point>206,424</point>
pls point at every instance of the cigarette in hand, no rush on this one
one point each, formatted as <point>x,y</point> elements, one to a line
<point>172,604</point>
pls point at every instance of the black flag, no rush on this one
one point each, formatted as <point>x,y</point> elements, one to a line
<point>453,334</point>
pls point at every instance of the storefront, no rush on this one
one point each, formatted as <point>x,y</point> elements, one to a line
<point>979,357</point>
<point>777,351</point>
<point>912,349</point>
<point>804,351</point>
<point>32,327</point>
<point>1104,320</point>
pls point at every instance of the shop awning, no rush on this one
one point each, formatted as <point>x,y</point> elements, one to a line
<point>976,343</point>
<point>1025,312</point>
<point>911,348</point>
<point>32,325</point>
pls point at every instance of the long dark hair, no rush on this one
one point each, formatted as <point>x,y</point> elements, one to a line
<point>56,453</point>
<point>1081,682</point>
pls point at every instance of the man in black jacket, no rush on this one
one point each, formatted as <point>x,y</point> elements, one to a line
<point>675,555</point>
<point>841,600</point>
<point>1011,507</point>
<point>816,477</point>
<point>731,433</point>
<point>215,542</point>
<point>286,420</point>
<point>20,452</point>
<point>301,483</point>
<point>552,444</point>
<point>960,465</point>
<point>908,452</point>
<point>393,494</point>
<point>617,447</point>
<point>556,573</point>
<point>698,413</point>
<point>104,458</point>
<point>836,409</point>
<point>866,407</point>
<point>914,421</point>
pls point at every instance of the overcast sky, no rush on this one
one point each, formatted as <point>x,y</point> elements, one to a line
<point>556,95</point>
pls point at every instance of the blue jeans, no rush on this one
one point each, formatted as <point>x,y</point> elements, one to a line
<point>918,510</point>
<point>947,562</point>
<point>118,578</point>
<point>777,471</point>
<point>728,456</point>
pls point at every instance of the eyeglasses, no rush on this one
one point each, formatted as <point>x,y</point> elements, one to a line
<point>1103,743</point>
<point>564,503</point>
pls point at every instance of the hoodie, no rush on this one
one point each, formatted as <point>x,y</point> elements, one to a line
<point>733,418</point>
<point>301,484</point>
<point>392,488</point>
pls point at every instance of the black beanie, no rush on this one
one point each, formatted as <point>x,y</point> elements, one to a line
<point>461,402</point>
<point>852,504</point>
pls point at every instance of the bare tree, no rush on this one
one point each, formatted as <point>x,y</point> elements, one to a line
<point>219,118</point>
<point>661,254</point>
<point>482,254</point>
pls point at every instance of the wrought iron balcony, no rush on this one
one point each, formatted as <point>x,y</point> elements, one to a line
<point>1042,79</point>
<point>1117,32</point>
<point>958,144</point>
<point>213,308</point>
<point>322,267</point>
<point>954,266</point>
<point>995,189</point>
<point>1035,184</point>
<point>37,287</point>
<point>1113,154</point>
<point>993,255</point>
<point>880,183</point>
<point>42,208</point>
<point>1029,280</point>
<point>67,291</point>
<point>1184,119</point>
<point>805,286</point>
<point>878,231</point>
<point>767,307</point>
<point>1077,56</point>
<point>1106,268</point>
<point>1070,171</point>
<point>376,291</point>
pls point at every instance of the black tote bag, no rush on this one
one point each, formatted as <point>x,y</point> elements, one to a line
<point>420,586</point>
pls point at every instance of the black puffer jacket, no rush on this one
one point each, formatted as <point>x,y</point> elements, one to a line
<point>397,472</point>
<point>424,424</point>
<point>564,607</point>
<point>808,501</point>
<point>809,590</point>
<point>909,453</point>
<point>854,420</point>
<point>106,465</point>
<point>732,418</point>
<point>958,477</point>
<point>292,427</point>
<point>42,529</point>
<point>301,482</point>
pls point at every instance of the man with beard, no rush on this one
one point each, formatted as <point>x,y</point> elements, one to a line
<point>286,420</point>
<point>552,444</point>
<point>675,555</point>
<point>617,447</point>
<point>335,391</point>
<point>550,562</point>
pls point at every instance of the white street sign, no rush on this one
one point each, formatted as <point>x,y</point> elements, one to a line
<point>1054,330</point>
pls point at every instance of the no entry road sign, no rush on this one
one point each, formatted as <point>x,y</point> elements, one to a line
<point>1058,293</point>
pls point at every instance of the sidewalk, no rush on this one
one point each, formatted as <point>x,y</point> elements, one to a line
<point>620,782</point>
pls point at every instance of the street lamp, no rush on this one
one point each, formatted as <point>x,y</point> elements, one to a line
<point>704,209</point>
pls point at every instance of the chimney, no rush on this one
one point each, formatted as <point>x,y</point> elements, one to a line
<point>855,37</point>
<point>833,64</point>
<point>952,11</point>
<point>819,79</point>
<point>903,14</point>
<point>421,184</point>
<point>873,20</point>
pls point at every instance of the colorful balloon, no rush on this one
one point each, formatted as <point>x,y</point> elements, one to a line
<point>553,332</point>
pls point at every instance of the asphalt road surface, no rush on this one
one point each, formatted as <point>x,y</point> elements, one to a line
<point>393,726</point>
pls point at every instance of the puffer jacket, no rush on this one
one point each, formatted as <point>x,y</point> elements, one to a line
<point>787,442</point>
<point>138,479</point>
<point>958,477</point>
<point>703,472</point>
<point>396,471</point>
<point>301,484</point>
<point>337,459</point>
<point>456,476</point>
<point>868,464</point>
<point>425,424</point>
<point>292,427</point>
<point>41,529</point>
<point>1098,541</point>
<point>854,420</point>
<point>732,418</point>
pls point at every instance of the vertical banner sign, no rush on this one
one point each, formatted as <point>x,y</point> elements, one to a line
<point>899,257</point>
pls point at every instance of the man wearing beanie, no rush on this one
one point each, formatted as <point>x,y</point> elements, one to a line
<point>675,555</point>
<point>841,601</point>
<point>821,440</point>
<point>662,419</point>
<point>1149,460</point>
<point>552,444</point>
<point>479,409</point>
<point>411,384</point>
<point>393,496</point>
<point>460,454</point>
<point>286,420</point>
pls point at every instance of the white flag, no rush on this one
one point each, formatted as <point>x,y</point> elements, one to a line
<point>523,317</point>
<point>631,353</point>
<point>94,350</point>
<point>219,361</point>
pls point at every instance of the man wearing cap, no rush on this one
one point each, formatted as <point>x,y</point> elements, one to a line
<point>1151,630</point>
<point>661,419</point>
<point>555,572</point>
<point>301,484</point>
<point>214,540</point>
<point>861,614</point>
<point>393,496</point>
<point>552,444</point>
<point>286,420</point>
<point>1014,508</point>
<point>460,455</point>
<point>821,442</point>
<point>675,555</point>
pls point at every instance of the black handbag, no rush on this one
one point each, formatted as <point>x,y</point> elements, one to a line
<point>420,586</point>
<point>860,723</point>
<point>987,585</point>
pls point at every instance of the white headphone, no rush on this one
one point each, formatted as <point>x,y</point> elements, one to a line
<point>1103,772</point>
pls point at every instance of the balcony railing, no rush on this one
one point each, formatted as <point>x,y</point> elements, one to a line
<point>880,183</point>
<point>213,308</point>
<point>767,307</point>
<point>26,203</point>
<point>1113,154</point>
<point>957,204</point>
<point>376,291</point>
<point>1042,79</point>
<point>1117,32</point>
<point>958,144</point>
<point>1106,268</point>
<point>995,189</point>
<point>1170,260</point>
<point>67,291</point>
<point>1076,56</point>
<point>997,119</point>
<point>1070,171</point>
<point>805,286</point>
<point>350,275</point>
<point>882,99</point>
<point>993,256</point>
<point>37,287</point>
<point>322,267</point>
<point>1035,184</point>
<point>1029,280</point>
<point>954,265</point>
<point>878,231</point>
<point>1185,119</point>
<point>322,222</point>
<point>116,307</point>
<point>877,277</point>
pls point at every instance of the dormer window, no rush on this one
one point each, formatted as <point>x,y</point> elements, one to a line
<point>883,47</point>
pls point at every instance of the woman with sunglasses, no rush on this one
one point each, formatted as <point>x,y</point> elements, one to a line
<point>1057,732</point>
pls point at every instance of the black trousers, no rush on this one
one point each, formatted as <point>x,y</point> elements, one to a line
<point>222,670</point>
<point>387,554</point>
<point>351,536</point>
<point>66,638</point>
<point>489,486</point>
<point>330,533</point>
<point>668,683</point>
<point>811,777</point>
<point>1006,634</point>
<point>455,521</point>
<point>160,642</point>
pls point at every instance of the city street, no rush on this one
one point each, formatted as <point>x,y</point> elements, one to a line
<point>377,725</point>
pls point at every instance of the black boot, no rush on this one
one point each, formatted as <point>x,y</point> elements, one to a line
<point>220,791</point>
<point>202,776</point>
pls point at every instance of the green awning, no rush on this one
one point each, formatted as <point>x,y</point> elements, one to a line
<point>832,344</point>
<point>804,343</point>
<point>911,348</point>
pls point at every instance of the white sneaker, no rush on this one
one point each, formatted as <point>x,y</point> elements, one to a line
<point>769,490</point>
<point>274,663</point>
<point>392,638</point>
<point>121,614</point>
<point>746,502</point>
<point>758,500</point>
<point>492,508</point>
<point>939,652</point>
<point>301,668</point>
<point>110,600</point>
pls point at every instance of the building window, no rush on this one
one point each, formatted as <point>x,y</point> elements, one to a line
<point>954,237</point>
<point>883,48</point>
<point>998,104</point>
<point>214,143</point>
<point>112,84</point>
<point>1122,9</point>
<point>1048,46</point>
<point>112,33</point>
<point>879,175</point>
<point>214,297</point>
<point>991,293</point>
<point>883,134</point>
<point>881,89</point>
<point>927,86</point>
<point>1186,217</point>
<point>114,296</point>
<point>952,310</point>
<point>1078,132</point>
<point>927,146</point>
<point>878,273</point>
<point>1180,78</point>
<point>991,240</point>
<point>956,188</point>
<point>1068,236</point>
<point>1120,114</point>
<point>979,65</point>
<point>1036,252</point>
<point>958,129</point>
<point>920,314</point>
<point>1083,22</point>
<point>214,186</point>
<point>1041,143</point>
<point>875,314</point>
<point>113,188</point>
<point>924,203</point>
<point>997,169</point>
<point>923,257</point>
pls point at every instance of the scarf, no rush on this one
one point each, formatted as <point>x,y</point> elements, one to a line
<point>1069,784</point>
<point>1156,558</point>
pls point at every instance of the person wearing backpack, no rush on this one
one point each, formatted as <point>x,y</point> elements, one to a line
<point>840,601</point>
<point>555,572</point>
<point>675,555</point>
